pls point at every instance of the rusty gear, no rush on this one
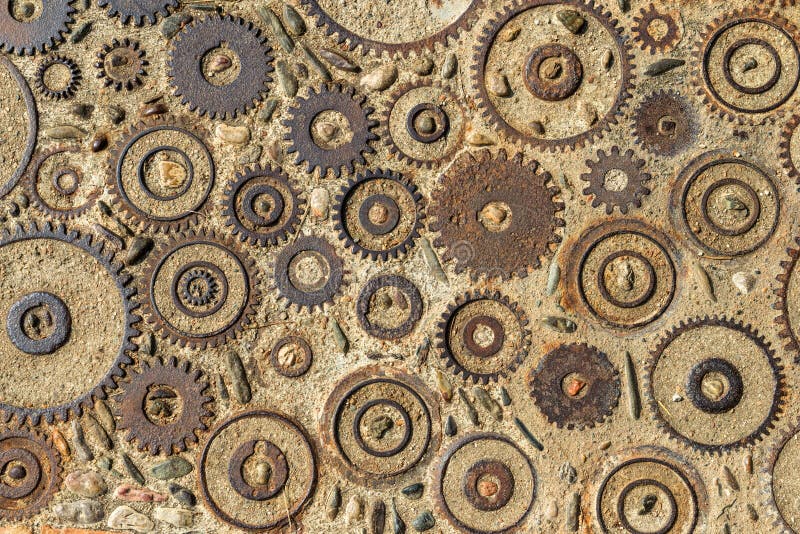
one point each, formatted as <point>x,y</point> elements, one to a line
<point>610,194</point>
<point>30,473</point>
<point>501,221</point>
<point>229,98</point>
<point>71,85</point>
<point>164,406</point>
<point>575,386</point>
<point>262,206</point>
<point>790,148</point>
<point>714,369</point>
<point>137,12</point>
<point>340,100</point>
<point>647,41</point>
<point>778,479</point>
<point>389,306</point>
<point>365,36</point>
<point>66,191</point>
<point>26,37</point>
<point>786,297</point>
<point>505,114</point>
<point>299,256</point>
<point>121,64</point>
<point>665,123</point>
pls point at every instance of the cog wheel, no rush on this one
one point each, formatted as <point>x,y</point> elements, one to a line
<point>58,185</point>
<point>164,406</point>
<point>241,498</point>
<point>291,356</point>
<point>308,272</point>
<point>201,290</point>
<point>54,85</point>
<point>382,424</point>
<point>262,206</point>
<point>424,124</point>
<point>616,180</point>
<point>733,383</point>
<point>389,306</point>
<point>24,31</point>
<point>30,473</point>
<point>501,221</point>
<point>787,298</point>
<point>790,148</point>
<point>483,336</point>
<point>661,38</point>
<point>780,482</point>
<point>665,123</point>
<point>545,88</point>
<point>330,129</point>
<point>121,64</point>
<point>733,89</point>
<point>220,66</point>
<point>379,214</point>
<point>473,460</point>
<point>575,386</point>
<point>45,312</point>
<point>162,176</point>
<point>394,29</point>
<point>138,12</point>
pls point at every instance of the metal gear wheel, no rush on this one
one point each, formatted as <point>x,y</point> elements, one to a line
<point>121,64</point>
<point>58,185</point>
<point>578,101</point>
<point>164,406</point>
<point>331,152</point>
<point>384,29</point>
<point>30,473</point>
<point>665,123</point>
<point>25,33</point>
<point>787,297</point>
<point>715,363</point>
<point>68,87</point>
<point>379,214</point>
<point>137,12</point>
<point>75,268</point>
<point>616,180</point>
<point>200,290</point>
<point>200,83</point>
<point>575,386</point>
<point>483,336</point>
<point>263,206</point>
<point>389,306</point>
<point>308,273</point>
<point>790,148</point>
<point>663,40</point>
<point>501,221</point>
<point>779,480</point>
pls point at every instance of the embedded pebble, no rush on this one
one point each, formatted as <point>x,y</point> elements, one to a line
<point>607,59</point>
<point>509,33</point>
<point>663,65</point>
<point>241,385</point>
<point>377,517</point>
<point>339,337</point>
<point>86,484</point>
<point>432,260</point>
<point>380,79</point>
<point>497,84</point>
<point>154,110</point>
<point>126,518</point>
<point>294,22</point>
<point>632,387</point>
<point>316,63</point>
<point>553,277</point>
<point>413,491</point>
<point>444,385</point>
<point>127,492</point>
<point>105,416</point>
<point>488,403</point>
<point>450,426</point>
<point>354,511</point>
<point>424,521</point>
<point>182,495</point>
<point>268,110</point>
<point>704,279</point>
<point>286,78</point>
<point>177,517</point>
<point>173,24</point>
<point>337,60</point>
<point>450,66</point>
<point>478,139</point>
<point>65,131</point>
<point>319,203</point>
<point>334,503</point>
<point>174,467</point>
<point>132,470</point>
<point>398,525</point>
<point>116,114</point>
<point>99,142</point>
<point>61,444</point>
<point>98,432</point>
<point>571,19</point>
<point>472,413</point>
<point>572,519</point>
<point>276,25</point>
<point>560,324</point>
<point>81,32</point>
<point>551,512</point>
<point>82,512</point>
<point>744,282</point>
<point>235,135</point>
<point>505,398</point>
<point>422,66</point>
<point>250,155</point>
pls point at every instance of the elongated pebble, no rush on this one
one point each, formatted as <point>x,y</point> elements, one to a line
<point>183,495</point>
<point>271,19</point>
<point>472,413</point>
<point>132,470</point>
<point>553,277</point>
<point>573,514</point>
<point>432,261</point>
<point>450,66</point>
<point>174,467</point>
<point>377,517</point>
<point>398,525</point>
<point>632,387</point>
<point>238,376</point>
<point>294,22</point>
<point>528,434</point>
<point>337,60</point>
<point>662,66</point>
<point>321,69</point>
<point>334,502</point>
<point>339,337</point>
<point>488,403</point>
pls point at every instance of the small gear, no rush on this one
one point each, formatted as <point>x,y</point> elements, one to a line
<point>201,290</point>
<point>545,87</point>
<point>137,12</point>
<point>58,185</point>
<point>220,66</point>
<point>262,206</point>
<point>389,306</point>
<point>790,148</point>
<point>391,28</point>
<point>501,221</point>
<point>575,386</point>
<point>291,356</point>
<point>26,28</point>
<point>616,180</point>
<point>738,91</point>
<point>164,406</point>
<point>665,123</point>
<point>661,38</point>
<point>30,473</point>
<point>308,273</point>
<point>331,128</point>
<point>121,64</point>
<point>379,214</point>
<point>787,297</point>
<point>483,336</point>
<point>65,84</point>
<point>733,384</point>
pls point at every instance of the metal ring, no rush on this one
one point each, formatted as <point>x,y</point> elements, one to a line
<point>763,88</point>
<point>249,198</point>
<point>407,427</point>
<point>143,161</point>
<point>732,396</point>
<point>392,218</point>
<point>754,214</point>
<point>179,285</point>
<point>673,517</point>
<point>498,332</point>
<point>62,323</point>
<point>442,123</point>
<point>601,282</point>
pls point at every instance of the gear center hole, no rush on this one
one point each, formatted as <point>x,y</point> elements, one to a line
<point>331,129</point>
<point>657,29</point>
<point>258,469</point>
<point>574,385</point>
<point>488,486</point>
<point>483,336</point>
<point>496,216</point>
<point>615,180</point>
<point>25,10</point>
<point>752,64</point>
<point>57,77</point>
<point>714,386</point>
<point>667,126</point>
<point>221,66</point>
<point>309,271</point>
<point>551,68</point>
<point>162,405</point>
<point>37,322</point>
<point>289,355</point>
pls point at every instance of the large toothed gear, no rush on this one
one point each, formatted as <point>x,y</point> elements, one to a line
<point>138,12</point>
<point>26,34</point>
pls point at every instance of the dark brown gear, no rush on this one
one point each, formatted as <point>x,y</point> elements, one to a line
<point>164,406</point>
<point>460,16</point>
<point>533,127</point>
<point>30,473</point>
<point>66,191</point>
<point>668,38</point>
<point>70,84</point>
<point>752,98</point>
<point>575,386</point>
<point>496,216</point>
<point>200,290</point>
<point>665,123</point>
<point>787,297</point>
<point>625,191</point>
<point>389,306</point>
<point>711,362</point>
<point>308,255</point>
<point>25,34</point>
<point>121,64</point>
<point>331,155</point>
<point>790,148</point>
<point>137,12</point>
